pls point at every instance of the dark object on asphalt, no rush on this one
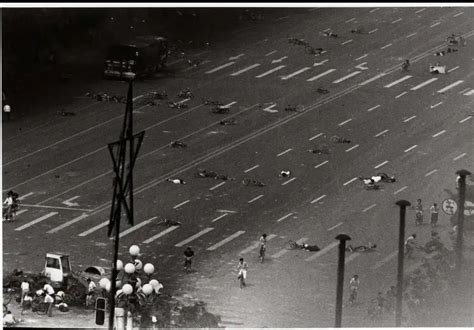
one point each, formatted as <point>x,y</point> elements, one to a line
<point>220,109</point>
<point>330,34</point>
<point>322,90</point>
<point>177,105</point>
<point>66,113</point>
<point>253,182</point>
<point>228,122</point>
<point>178,144</point>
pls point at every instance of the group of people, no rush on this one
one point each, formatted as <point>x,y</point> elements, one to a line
<point>11,205</point>
<point>434,213</point>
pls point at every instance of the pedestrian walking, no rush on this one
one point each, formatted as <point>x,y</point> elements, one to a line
<point>418,213</point>
<point>25,289</point>
<point>354,284</point>
<point>6,112</point>
<point>188,258</point>
<point>434,211</point>
<point>48,299</point>
<point>242,269</point>
<point>91,287</point>
<point>410,245</point>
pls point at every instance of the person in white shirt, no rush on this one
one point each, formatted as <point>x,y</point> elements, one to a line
<point>49,289</point>
<point>9,319</point>
<point>25,288</point>
<point>90,291</point>
<point>6,111</point>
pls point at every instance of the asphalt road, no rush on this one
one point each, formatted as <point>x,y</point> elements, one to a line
<point>415,125</point>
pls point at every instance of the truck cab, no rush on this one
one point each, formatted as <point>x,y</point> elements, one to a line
<point>57,267</point>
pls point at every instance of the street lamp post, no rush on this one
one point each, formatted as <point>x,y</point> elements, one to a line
<point>340,277</point>
<point>401,249</point>
<point>460,225</point>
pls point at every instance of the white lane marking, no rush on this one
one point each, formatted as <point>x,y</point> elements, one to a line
<point>429,81</point>
<point>375,9</point>
<point>381,164</point>
<point>400,95</point>
<point>279,59</point>
<point>369,207</point>
<point>31,223</point>
<point>380,75</point>
<point>400,190</point>
<point>256,245</point>
<point>25,196</point>
<point>236,57</point>
<point>442,90</point>
<point>346,77</point>
<point>323,251</point>
<point>21,211</point>
<point>132,229</point>
<point>93,229</point>
<point>372,31</point>
<point>434,106</point>
<point>352,148</point>
<point>439,133</point>
<point>69,203</point>
<point>270,71</point>
<point>397,81</point>
<point>396,21</point>
<point>471,92</point>
<point>458,14</point>
<point>271,53</point>
<point>465,119</point>
<point>220,67</point>
<point>431,172</point>
<point>320,63</point>
<point>229,104</point>
<point>285,251</point>
<point>193,237</point>
<point>161,233</point>
<point>464,90</point>
<point>350,20</point>
<point>254,199</point>
<point>351,257</point>
<point>420,10</point>
<point>283,17</point>
<point>460,156</point>
<point>321,74</point>
<point>284,217</point>
<point>410,35</point>
<point>245,69</point>
<point>335,226</point>
<point>384,260</point>
<point>318,199</point>
<point>183,101</point>
<point>386,46</point>
<point>295,73</point>
<point>437,23</point>
<point>270,108</point>
<point>314,137</point>
<point>344,122</point>
<point>67,224</point>
<point>284,152</point>
<point>328,29</point>
<point>220,217</point>
<point>411,148</point>
<point>362,66</point>
<point>346,42</point>
<point>226,240</point>
<point>180,204</point>
<point>361,57</point>
<point>408,119</point>
<point>217,186</point>
<point>321,164</point>
<point>202,53</point>
<point>373,108</point>
<point>137,98</point>
<point>286,182</point>
<point>252,168</point>
<point>381,133</point>
<point>351,180</point>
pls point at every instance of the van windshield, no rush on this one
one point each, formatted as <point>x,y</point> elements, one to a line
<point>122,52</point>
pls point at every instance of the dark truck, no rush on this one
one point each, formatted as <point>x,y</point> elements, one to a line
<point>142,56</point>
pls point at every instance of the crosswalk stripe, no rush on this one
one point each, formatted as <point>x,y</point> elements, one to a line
<point>193,237</point>
<point>352,148</point>
<point>381,164</point>
<point>323,251</point>
<point>254,199</point>
<point>351,180</point>
<point>161,233</point>
<point>252,168</point>
<point>465,119</point>
<point>284,152</point>
<point>400,190</point>
<point>286,182</point>
<point>217,186</point>
<point>31,223</point>
<point>21,211</point>
<point>245,70</point>
<point>67,224</point>
<point>381,133</point>
<point>386,46</point>
<point>219,217</point>
<point>460,156</point>
<point>373,108</point>
<point>220,67</point>
<point>442,90</point>
<point>346,77</point>
<point>318,199</point>
<point>26,195</point>
<point>397,81</point>
<point>226,240</point>
<point>321,75</point>
<point>380,75</point>
<point>321,164</point>
<point>411,148</point>
<point>296,73</point>
<point>270,71</point>
<point>429,81</point>
<point>132,229</point>
<point>93,229</point>
<point>256,245</point>
<point>284,217</point>
<point>384,260</point>
<point>285,251</point>
<point>316,136</point>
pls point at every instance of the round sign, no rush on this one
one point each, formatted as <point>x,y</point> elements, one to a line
<point>449,206</point>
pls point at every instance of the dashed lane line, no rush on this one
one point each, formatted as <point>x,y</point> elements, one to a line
<point>286,182</point>
<point>373,108</point>
<point>318,199</point>
<point>217,186</point>
<point>435,24</point>
<point>400,95</point>
<point>282,18</point>
<point>411,35</point>
<point>295,73</point>
<point>25,196</point>
<point>454,84</point>
<point>386,46</point>
<point>408,119</point>
<point>67,224</point>
<point>434,106</point>
<point>361,57</point>
<point>284,152</point>
<point>335,226</point>
<point>226,240</point>
<point>132,229</point>
<point>420,10</point>
<point>314,137</point>
<point>396,21</point>
<point>465,119</point>
<point>385,260</point>
<point>350,75</point>
<point>271,53</point>
<point>351,257</point>
<point>439,133</point>
<point>344,122</point>
<point>372,31</point>
<point>220,217</point>
<point>459,157</point>
<point>181,204</point>
<point>411,148</point>
<point>471,92</point>
<point>255,199</point>
<point>397,81</point>
<point>429,81</point>
<point>373,10</point>
<point>321,164</point>
<point>455,68</point>
<point>285,251</point>
<point>220,67</point>
<point>56,207</point>
<point>381,133</point>
<point>400,190</point>
<point>321,75</point>
<point>431,172</point>
<point>284,217</point>
<point>31,223</point>
<point>245,69</point>
<point>380,75</point>
<point>323,251</point>
<point>93,229</point>
<point>350,20</point>
<point>351,180</point>
<point>369,207</point>
<point>160,234</point>
<point>458,14</point>
<point>193,237</point>
<point>270,71</point>
<point>464,90</point>
<point>21,211</point>
<point>252,168</point>
<point>352,148</point>
<point>381,164</point>
<point>346,42</point>
<point>256,245</point>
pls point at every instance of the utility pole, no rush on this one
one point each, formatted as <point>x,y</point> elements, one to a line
<point>123,186</point>
<point>401,255</point>
<point>340,277</point>
<point>460,225</point>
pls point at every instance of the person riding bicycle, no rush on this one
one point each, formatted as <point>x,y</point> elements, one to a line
<point>311,248</point>
<point>11,202</point>
<point>178,144</point>
<point>285,173</point>
<point>262,246</point>
<point>186,93</point>
<point>354,284</point>
<point>410,245</point>
<point>406,65</point>
<point>176,181</point>
<point>369,246</point>
<point>418,212</point>
<point>188,256</point>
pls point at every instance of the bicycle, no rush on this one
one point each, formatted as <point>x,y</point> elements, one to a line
<point>262,252</point>
<point>252,182</point>
<point>297,108</point>
<point>321,150</point>
<point>176,105</point>
<point>338,139</point>
<point>313,51</point>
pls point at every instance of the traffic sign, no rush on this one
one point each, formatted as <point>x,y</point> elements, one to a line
<point>449,206</point>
